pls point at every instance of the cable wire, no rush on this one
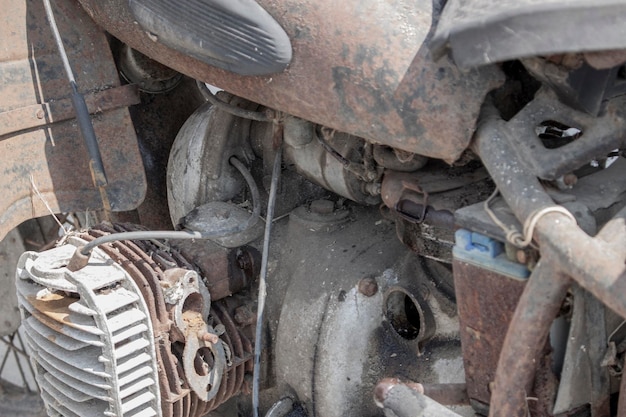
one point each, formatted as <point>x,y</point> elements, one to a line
<point>525,238</point>
<point>262,282</point>
<point>188,234</point>
<point>234,110</point>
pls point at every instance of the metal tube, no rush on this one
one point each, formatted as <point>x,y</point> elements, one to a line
<point>447,394</point>
<point>592,262</point>
<point>405,401</point>
<point>519,187</point>
<point>525,339</point>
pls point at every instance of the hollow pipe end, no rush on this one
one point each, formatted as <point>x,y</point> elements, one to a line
<point>79,260</point>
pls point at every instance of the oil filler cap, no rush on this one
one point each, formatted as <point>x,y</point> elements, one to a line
<point>236,35</point>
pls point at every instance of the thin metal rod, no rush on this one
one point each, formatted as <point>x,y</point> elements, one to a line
<point>96,166</point>
<point>12,346</point>
<point>262,282</point>
<point>8,352</point>
<point>59,41</point>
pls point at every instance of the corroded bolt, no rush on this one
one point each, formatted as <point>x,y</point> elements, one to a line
<point>244,317</point>
<point>40,114</point>
<point>570,180</point>
<point>368,286</point>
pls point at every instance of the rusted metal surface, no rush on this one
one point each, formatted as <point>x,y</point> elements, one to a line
<point>599,135</point>
<point>447,394</point>
<point>485,301</point>
<point>150,272</point>
<point>50,162</point>
<point>358,66</point>
<point>408,400</point>
<point>605,59</point>
<point>595,263</point>
<point>226,271</point>
<point>428,187</point>
<point>526,336</point>
<point>37,115</point>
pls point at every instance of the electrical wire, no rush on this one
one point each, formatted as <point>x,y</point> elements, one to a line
<point>234,110</point>
<point>525,238</point>
<point>359,170</point>
<point>262,282</point>
<point>188,234</point>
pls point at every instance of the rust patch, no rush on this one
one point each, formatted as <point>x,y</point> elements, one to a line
<point>486,302</point>
<point>359,66</point>
<point>53,310</point>
<point>149,272</point>
<point>48,151</point>
<point>28,117</point>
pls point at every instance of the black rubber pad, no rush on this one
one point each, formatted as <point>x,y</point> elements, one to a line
<point>235,35</point>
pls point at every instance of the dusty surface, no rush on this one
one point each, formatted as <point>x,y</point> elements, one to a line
<point>10,250</point>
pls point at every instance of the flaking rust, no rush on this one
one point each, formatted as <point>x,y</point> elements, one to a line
<point>46,146</point>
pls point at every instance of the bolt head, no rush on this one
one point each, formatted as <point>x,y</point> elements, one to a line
<point>368,286</point>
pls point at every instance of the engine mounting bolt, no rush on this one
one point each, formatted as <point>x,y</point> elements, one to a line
<point>368,286</point>
<point>322,207</point>
<point>570,180</point>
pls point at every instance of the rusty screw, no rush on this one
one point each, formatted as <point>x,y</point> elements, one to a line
<point>368,286</point>
<point>570,180</point>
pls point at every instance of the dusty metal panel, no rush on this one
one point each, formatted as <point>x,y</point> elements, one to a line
<point>359,66</point>
<point>50,162</point>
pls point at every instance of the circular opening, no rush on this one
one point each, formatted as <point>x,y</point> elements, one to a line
<point>193,302</point>
<point>204,361</point>
<point>403,314</point>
